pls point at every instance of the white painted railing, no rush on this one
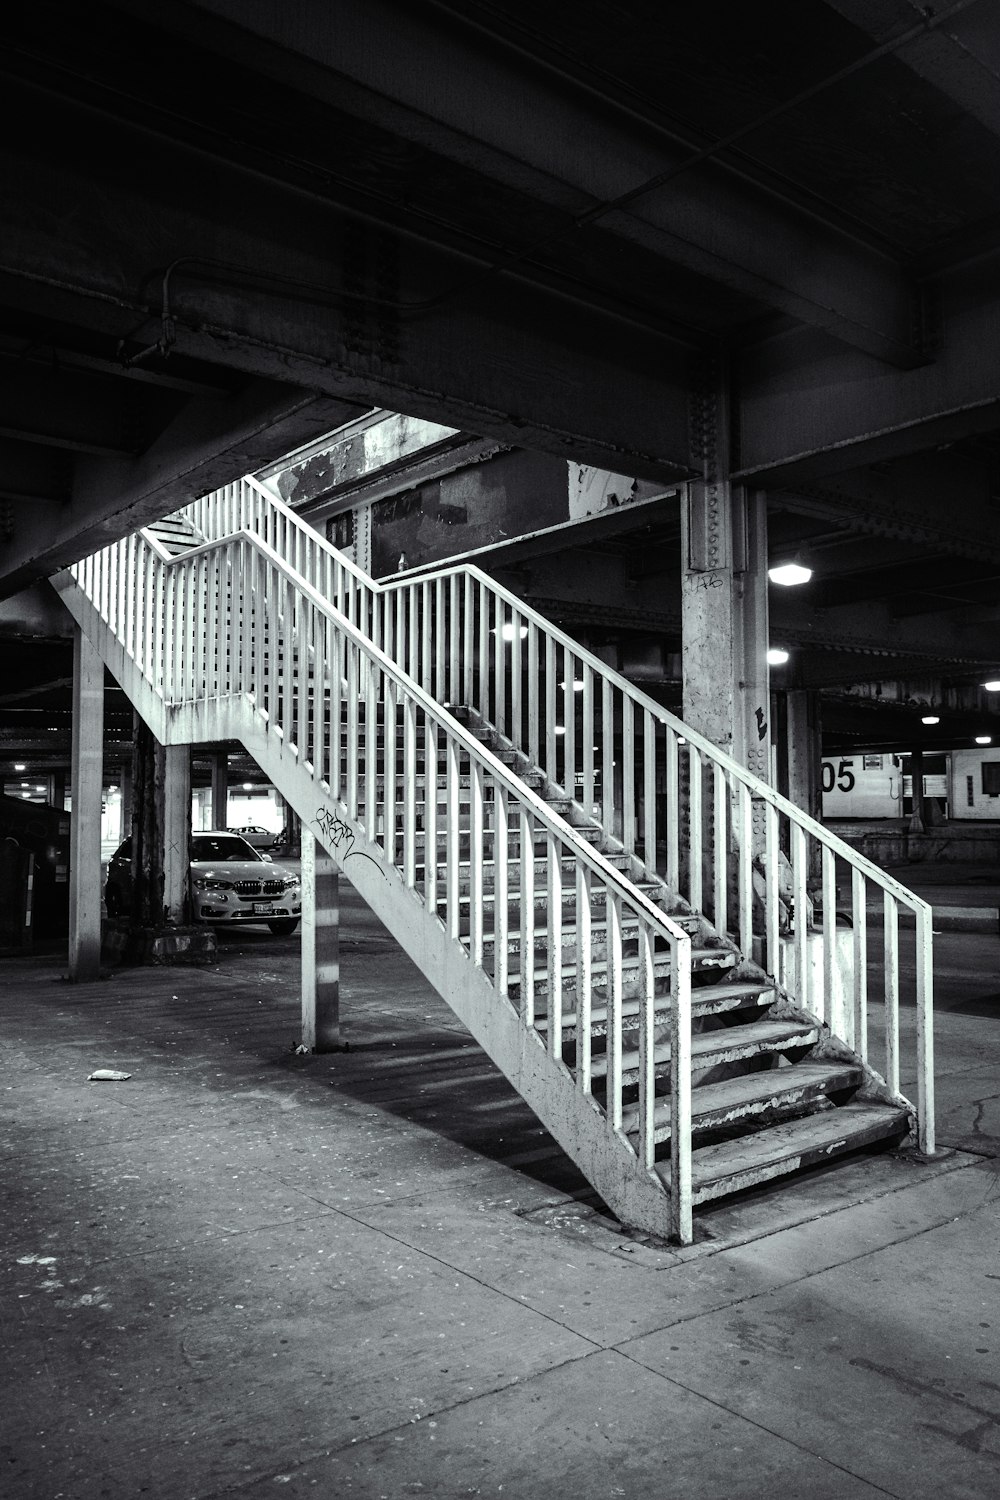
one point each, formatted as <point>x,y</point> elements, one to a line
<point>750,860</point>
<point>234,620</point>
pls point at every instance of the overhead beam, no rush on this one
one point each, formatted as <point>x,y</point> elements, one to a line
<point>210,443</point>
<point>955,58</point>
<point>384,63</point>
<point>942,499</point>
<point>59,408</point>
<point>518,364</point>
<point>809,407</point>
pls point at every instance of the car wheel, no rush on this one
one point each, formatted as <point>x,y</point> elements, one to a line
<point>283,926</point>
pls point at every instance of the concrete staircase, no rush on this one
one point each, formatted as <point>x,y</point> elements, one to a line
<point>651,1027</point>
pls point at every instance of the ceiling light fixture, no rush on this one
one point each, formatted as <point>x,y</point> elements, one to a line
<point>984,739</point>
<point>19,765</point>
<point>777,656</point>
<point>790,571</point>
<point>930,719</point>
<point>992,687</point>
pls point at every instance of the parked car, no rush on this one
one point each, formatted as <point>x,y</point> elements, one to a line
<point>257,837</point>
<point>231,884</point>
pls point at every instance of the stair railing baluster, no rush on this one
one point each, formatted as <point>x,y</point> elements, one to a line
<point>410,792</point>
<point>435,621</point>
<point>430,814</point>
<point>501,897</point>
<point>649,828</point>
<point>534,702</point>
<point>926,1137</point>
<point>613,991</point>
<point>453,854</point>
<point>628,774</point>
<point>587,733</point>
<point>476,797</point>
<point>772,893</point>
<point>831,1011</point>
<point>352,747</point>
<point>672,798</point>
<point>505,656</point>
<point>647,1081</point>
<point>527,860</point>
<point>891,908</point>
<point>696,893</point>
<point>553,860</point>
<point>568,780</point>
<point>745,870</point>
<point>859,924</point>
<point>680,1093</point>
<point>516,728</point>
<point>549,685</point>
<point>720,848</point>
<point>453,691</point>
<point>468,640</point>
<point>389,710</point>
<point>584,980</point>
<point>607,757</point>
<point>484,607</point>
<point>803,985</point>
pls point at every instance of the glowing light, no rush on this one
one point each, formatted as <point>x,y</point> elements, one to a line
<point>790,574</point>
<point>19,765</point>
<point>992,687</point>
<point>777,657</point>
<point>930,719</point>
<point>508,631</point>
<point>984,739</point>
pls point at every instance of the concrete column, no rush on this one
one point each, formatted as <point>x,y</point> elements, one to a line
<point>918,815</point>
<point>126,786</point>
<point>320,948</point>
<point>176,833</point>
<point>220,789</point>
<point>803,751</point>
<point>87,778</point>
<point>725,620</point>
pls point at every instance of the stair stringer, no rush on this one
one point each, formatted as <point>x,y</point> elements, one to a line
<point>605,1157</point>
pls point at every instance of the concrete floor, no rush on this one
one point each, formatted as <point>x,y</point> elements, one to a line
<point>372,1274</point>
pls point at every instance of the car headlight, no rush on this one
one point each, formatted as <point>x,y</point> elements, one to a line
<point>210,883</point>
<point>290,881</point>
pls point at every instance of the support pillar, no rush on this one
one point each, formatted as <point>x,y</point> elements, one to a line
<point>725,621</point>
<point>803,751</point>
<point>918,817</point>
<point>56,794</point>
<point>176,833</point>
<point>126,786</point>
<point>220,789</point>
<point>87,778</point>
<point>320,949</point>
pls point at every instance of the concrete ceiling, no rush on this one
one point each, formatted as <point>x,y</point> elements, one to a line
<point>232,225</point>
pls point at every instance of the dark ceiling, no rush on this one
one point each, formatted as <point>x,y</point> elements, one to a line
<point>230,226</point>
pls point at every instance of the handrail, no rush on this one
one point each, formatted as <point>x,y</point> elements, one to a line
<point>237,596</point>
<point>446,627</point>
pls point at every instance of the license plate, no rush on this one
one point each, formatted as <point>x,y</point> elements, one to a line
<point>261,908</point>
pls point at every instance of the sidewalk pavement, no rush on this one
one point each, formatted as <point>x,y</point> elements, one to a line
<point>245,1273</point>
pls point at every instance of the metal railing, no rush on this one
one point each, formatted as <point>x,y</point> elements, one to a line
<point>410,786</point>
<point>752,862</point>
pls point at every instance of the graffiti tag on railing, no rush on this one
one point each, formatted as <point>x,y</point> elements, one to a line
<point>340,837</point>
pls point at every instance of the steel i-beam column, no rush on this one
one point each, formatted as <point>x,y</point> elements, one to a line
<point>803,751</point>
<point>176,832</point>
<point>87,776</point>
<point>220,789</point>
<point>320,948</point>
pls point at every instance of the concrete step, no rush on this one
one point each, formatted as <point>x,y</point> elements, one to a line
<point>714,1105</point>
<point>733,1166</point>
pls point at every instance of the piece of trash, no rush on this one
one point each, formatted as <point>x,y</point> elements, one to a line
<point>108,1075</point>
<point>302,1050</point>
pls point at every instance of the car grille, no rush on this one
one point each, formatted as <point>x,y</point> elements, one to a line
<point>258,887</point>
